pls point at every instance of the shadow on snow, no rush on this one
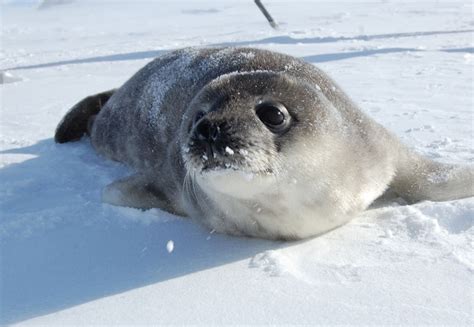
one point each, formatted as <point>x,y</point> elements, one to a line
<point>62,247</point>
<point>283,39</point>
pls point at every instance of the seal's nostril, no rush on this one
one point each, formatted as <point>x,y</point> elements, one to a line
<point>202,129</point>
<point>214,132</point>
<point>207,130</point>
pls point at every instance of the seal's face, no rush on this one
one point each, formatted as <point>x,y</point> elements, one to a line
<point>253,147</point>
<point>239,122</point>
<point>238,125</point>
<point>264,155</point>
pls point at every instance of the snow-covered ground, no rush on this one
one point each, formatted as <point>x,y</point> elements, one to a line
<point>66,258</point>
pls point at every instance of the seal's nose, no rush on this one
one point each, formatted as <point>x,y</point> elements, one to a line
<point>206,130</point>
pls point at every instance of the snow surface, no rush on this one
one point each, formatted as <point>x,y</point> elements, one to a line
<point>66,258</point>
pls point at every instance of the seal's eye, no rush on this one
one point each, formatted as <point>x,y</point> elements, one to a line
<point>273,115</point>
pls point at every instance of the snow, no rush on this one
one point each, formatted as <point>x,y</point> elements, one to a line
<point>170,246</point>
<point>229,151</point>
<point>67,258</point>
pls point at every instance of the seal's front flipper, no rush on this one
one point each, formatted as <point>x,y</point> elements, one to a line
<point>137,192</point>
<point>77,120</point>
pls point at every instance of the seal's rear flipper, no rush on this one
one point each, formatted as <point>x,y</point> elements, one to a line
<point>418,178</point>
<point>76,122</point>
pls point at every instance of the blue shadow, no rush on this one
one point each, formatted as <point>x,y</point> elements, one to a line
<point>61,247</point>
<point>271,40</point>
<point>466,50</point>
<point>353,54</point>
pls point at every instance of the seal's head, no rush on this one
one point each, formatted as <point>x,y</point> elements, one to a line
<point>248,139</point>
<point>241,122</point>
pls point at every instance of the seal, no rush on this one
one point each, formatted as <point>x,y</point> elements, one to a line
<point>251,142</point>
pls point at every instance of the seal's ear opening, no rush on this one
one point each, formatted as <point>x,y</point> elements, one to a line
<point>77,120</point>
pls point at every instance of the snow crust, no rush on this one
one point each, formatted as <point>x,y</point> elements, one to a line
<point>67,258</point>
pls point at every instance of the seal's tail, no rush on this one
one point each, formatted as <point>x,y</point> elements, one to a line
<point>78,119</point>
<point>418,178</point>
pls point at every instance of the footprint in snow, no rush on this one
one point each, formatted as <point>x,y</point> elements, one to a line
<point>277,264</point>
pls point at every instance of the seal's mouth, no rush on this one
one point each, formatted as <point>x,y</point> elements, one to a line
<point>235,181</point>
<point>209,157</point>
<point>206,158</point>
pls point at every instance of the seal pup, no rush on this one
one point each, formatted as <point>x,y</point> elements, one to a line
<point>251,142</point>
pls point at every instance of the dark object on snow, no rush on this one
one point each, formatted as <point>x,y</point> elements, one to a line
<point>267,15</point>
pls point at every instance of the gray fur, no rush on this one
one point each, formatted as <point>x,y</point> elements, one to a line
<point>330,165</point>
